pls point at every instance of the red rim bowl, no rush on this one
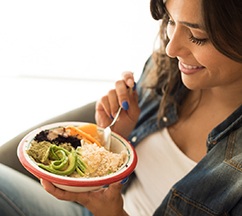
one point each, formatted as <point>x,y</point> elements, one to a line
<point>30,165</point>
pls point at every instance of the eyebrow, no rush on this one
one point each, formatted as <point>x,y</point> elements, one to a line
<point>191,25</point>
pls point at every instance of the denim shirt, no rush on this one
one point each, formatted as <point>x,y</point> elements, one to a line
<point>214,185</point>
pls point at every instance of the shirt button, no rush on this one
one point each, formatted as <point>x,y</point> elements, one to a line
<point>165,119</point>
<point>134,138</point>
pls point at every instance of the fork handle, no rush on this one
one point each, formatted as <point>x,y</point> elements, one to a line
<point>116,117</point>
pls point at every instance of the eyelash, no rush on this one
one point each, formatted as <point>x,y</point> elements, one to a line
<point>193,39</point>
<point>197,41</point>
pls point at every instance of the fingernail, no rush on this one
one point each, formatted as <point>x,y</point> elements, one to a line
<point>111,117</point>
<point>125,105</point>
<point>134,87</point>
<point>130,82</point>
<point>125,180</point>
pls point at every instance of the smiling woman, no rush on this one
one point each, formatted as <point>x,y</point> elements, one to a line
<point>183,116</point>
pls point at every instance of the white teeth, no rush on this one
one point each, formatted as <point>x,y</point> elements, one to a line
<point>190,66</point>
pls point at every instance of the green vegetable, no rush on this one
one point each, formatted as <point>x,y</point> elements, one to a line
<point>80,166</point>
<point>63,162</point>
<point>40,152</point>
<point>58,159</point>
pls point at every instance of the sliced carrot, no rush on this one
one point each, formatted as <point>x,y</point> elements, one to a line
<point>74,131</point>
<point>90,129</point>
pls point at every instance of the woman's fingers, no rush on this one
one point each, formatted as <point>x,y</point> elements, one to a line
<point>103,114</point>
<point>50,188</point>
<point>113,101</point>
<point>125,88</point>
<point>123,95</point>
<point>95,201</point>
<point>128,78</point>
<point>82,198</point>
<point>106,108</point>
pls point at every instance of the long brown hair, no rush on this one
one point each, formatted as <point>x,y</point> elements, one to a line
<point>222,20</point>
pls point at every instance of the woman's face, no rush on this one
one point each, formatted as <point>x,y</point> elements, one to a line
<point>201,65</point>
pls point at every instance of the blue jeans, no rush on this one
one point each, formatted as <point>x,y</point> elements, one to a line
<point>21,195</point>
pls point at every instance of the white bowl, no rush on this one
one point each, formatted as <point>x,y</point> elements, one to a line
<point>81,184</point>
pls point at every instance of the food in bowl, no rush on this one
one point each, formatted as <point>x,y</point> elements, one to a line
<point>61,141</point>
<point>75,151</point>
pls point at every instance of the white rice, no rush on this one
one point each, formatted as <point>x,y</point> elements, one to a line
<point>100,161</point>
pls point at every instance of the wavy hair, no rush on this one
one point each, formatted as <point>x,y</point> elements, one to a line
<point>222,20</point>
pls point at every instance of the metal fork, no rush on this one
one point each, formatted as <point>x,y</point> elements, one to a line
<point>107,131</point>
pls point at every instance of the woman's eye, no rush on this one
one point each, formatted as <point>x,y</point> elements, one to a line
<point>197,40</point>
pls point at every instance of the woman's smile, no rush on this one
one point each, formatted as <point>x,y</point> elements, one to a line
<point>189,69</point>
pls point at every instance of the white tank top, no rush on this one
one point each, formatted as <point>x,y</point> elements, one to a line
<point>160,164</point>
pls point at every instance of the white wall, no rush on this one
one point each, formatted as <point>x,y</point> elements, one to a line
<point>75,38</point>
<point>49,48</point>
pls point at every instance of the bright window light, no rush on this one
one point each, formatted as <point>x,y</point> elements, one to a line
<point>75,38</point>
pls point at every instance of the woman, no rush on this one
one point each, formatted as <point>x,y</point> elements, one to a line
<point>184,118</point>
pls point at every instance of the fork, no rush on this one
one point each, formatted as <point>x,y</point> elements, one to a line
<point>107,131</point>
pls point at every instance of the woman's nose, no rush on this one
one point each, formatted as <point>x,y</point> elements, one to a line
<point>176,46</point>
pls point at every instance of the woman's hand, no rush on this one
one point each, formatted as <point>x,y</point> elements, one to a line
<point>103,202</point>
<point>123,95</point>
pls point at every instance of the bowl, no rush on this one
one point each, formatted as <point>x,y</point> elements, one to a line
<point>80,184</point>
